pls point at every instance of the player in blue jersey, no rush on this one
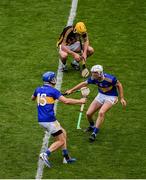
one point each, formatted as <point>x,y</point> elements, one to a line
<point>46,96</point>
<point>108,89</point>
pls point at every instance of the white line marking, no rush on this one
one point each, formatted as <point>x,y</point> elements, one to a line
<point>46,138</point>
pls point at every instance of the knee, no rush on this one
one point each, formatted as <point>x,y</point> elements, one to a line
<point>90,51</point>
<point>63,55</point>
<point>101,114</point>
<point>88,115</point>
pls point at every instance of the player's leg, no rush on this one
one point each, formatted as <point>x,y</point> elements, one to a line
<point>63,57</point>
<point>54,146</point>
<point>101,114</point>
<point>75,63</point>
<point>94,106</point>
<point>77,49</point>
<point>55,130</point>
<point>90,51</point>
<point>67,158</point>
<point>59,142</point>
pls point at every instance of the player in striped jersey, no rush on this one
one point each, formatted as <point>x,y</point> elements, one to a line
<point>72,40</point>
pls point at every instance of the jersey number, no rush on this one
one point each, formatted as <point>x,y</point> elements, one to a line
<point>41,99</point>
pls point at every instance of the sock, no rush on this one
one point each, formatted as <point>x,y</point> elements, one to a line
<point>91,123</point>
<point>48,153</point>
<point>75,62</point>
<point>96,130</point>
<point>65,154</point>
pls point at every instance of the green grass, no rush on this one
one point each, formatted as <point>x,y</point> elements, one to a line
<point>29,31</point>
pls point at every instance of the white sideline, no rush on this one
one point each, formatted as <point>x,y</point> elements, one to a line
<point>46,138</point>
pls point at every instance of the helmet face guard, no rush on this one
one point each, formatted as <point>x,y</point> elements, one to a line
<point>80,28</point>
<point>53,81</point>
<point>98,70</point>
<point>49,77</point>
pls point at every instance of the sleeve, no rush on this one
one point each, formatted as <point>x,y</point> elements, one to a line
<point>90,81</point>
<point>63,35</point>
<point>56,94</point>
<point>114,81</point>
<point>85,37</point>
<point>66,33</point>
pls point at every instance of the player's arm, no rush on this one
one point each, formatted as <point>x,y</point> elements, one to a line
<point>86,44</point>
<point>66,49</point>
<point>72,53</point>
<point>121,93</point>
<point>72,101</point>
<point>77,87</point>
<point>34,95</point>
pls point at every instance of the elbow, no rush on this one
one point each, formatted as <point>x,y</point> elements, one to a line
<point>33,98</point>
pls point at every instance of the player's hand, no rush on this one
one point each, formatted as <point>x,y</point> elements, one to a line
<point>77,57</point>
<point>83,100</point>
<point>123,102</point>
<point>68,91</point>
<point>84,56</point>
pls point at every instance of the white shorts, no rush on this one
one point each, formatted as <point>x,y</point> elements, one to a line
<point>74,47</point>
<point>102,98</point>
<point>51,127</point>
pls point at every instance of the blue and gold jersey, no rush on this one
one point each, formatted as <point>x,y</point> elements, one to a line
<point>46,96</point>
<point>107,86</point>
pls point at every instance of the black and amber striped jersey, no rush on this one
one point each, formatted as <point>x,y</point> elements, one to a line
<point>68,36</point>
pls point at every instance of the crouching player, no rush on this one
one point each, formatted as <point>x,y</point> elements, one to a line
<point>71,41</point>
<point>108,88</point>
<point>46,96</point>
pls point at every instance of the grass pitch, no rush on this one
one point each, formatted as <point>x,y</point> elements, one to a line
<point>29,31</point>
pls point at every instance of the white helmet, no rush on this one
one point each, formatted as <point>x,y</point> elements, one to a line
<point>97,68</point>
